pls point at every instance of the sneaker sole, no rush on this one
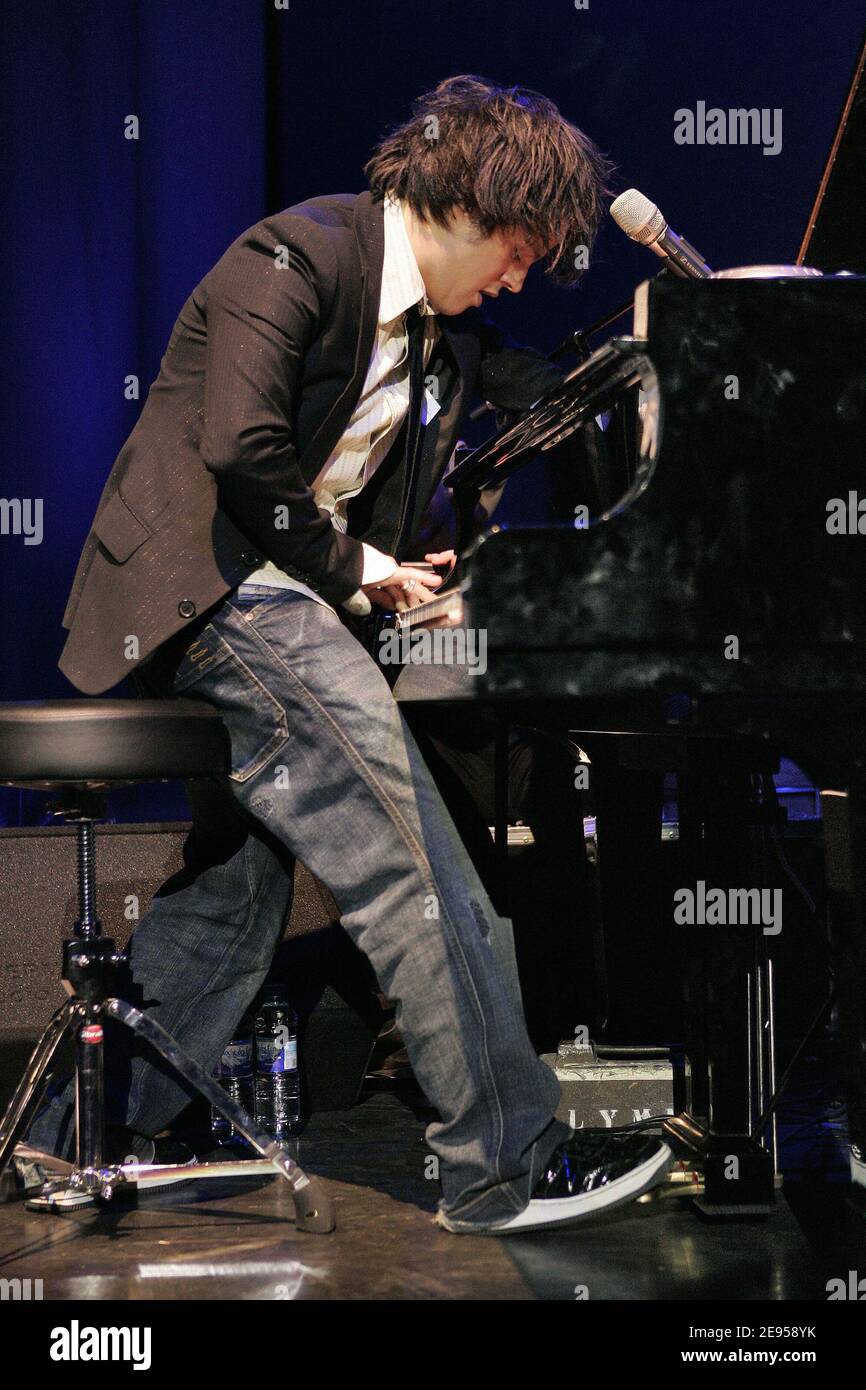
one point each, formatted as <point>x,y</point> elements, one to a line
<point>549,1212</point>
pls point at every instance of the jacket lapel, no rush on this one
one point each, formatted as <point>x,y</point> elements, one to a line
<point>363,295</point>
<point>451,363</point>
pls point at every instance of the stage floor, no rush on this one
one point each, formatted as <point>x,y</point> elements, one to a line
<point>237,1240</point>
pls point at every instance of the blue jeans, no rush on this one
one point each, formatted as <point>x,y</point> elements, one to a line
<point>325,770</point>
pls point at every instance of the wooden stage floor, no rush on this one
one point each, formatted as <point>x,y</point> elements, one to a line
<point>237,1240</point>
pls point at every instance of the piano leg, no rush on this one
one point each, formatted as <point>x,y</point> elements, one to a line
<point>845,859</point>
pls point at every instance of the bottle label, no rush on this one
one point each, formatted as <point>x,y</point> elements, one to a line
<point>237,1059</point>
<point>272,1057</point>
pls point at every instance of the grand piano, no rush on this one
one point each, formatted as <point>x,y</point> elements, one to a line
<point>726,579</point>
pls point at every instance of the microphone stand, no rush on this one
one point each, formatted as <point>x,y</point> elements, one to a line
<point>577,342</point>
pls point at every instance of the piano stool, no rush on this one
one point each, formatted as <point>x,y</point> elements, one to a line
<point>79,749</point>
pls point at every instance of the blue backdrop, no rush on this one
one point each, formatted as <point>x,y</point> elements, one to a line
<point>246,106</point>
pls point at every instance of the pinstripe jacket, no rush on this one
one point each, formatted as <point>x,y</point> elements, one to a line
<point>263,369</point>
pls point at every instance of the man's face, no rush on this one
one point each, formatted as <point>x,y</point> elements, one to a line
<point>458,265</point>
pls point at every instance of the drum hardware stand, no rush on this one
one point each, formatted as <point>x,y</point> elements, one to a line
<point>90,967</point>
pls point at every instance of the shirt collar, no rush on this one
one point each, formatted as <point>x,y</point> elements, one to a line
<point>402,285</point>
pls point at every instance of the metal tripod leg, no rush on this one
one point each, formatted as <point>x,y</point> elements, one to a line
<point>90,962</point>
<point>313,1207</point>
<point>22,1106</point>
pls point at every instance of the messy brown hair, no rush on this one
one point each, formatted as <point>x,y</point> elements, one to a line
<point>508,158</point>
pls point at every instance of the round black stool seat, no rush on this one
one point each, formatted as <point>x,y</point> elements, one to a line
<point>97,743</point>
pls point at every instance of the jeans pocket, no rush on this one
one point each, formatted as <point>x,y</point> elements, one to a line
<point>257,724</point>
<point>251,599</point>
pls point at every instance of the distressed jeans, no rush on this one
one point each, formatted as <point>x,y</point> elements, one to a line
<point>325,770</point>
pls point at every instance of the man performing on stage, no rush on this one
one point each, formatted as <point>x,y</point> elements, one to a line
<point>331,355</point>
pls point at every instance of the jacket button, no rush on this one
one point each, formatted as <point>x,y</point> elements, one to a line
<point>250,557</point>
<point>186,608</point>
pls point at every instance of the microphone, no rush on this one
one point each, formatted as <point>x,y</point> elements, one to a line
<point>641,220</point>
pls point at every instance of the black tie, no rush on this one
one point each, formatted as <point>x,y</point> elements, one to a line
<point>415,322</point>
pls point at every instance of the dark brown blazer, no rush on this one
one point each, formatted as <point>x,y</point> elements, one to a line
<point>262,371</point>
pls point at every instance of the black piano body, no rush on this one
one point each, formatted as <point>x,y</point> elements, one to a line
<point>737,572</point>
<point>733,570</point>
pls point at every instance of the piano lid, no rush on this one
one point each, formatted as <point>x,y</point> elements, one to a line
<point>835,237</point>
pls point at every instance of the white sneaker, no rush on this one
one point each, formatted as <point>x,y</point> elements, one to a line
<point>591,1172</point>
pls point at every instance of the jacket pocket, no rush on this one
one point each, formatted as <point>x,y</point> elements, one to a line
<point>119,529</point>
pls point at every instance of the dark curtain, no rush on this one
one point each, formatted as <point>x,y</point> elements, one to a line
<point>245,106</point>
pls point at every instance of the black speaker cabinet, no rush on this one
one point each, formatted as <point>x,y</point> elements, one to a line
<point>329,981</point>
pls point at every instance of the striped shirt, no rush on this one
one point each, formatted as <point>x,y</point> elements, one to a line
<point>380,409</point>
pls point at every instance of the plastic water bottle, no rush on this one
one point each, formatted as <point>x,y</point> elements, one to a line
<point>277,1089</point>
<point>235,1073</point>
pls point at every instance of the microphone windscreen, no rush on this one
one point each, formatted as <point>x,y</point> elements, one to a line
<point>637,216</point>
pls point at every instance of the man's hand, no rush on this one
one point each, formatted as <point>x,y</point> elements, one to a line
<point>407,587</point>
<point>444,557</point>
